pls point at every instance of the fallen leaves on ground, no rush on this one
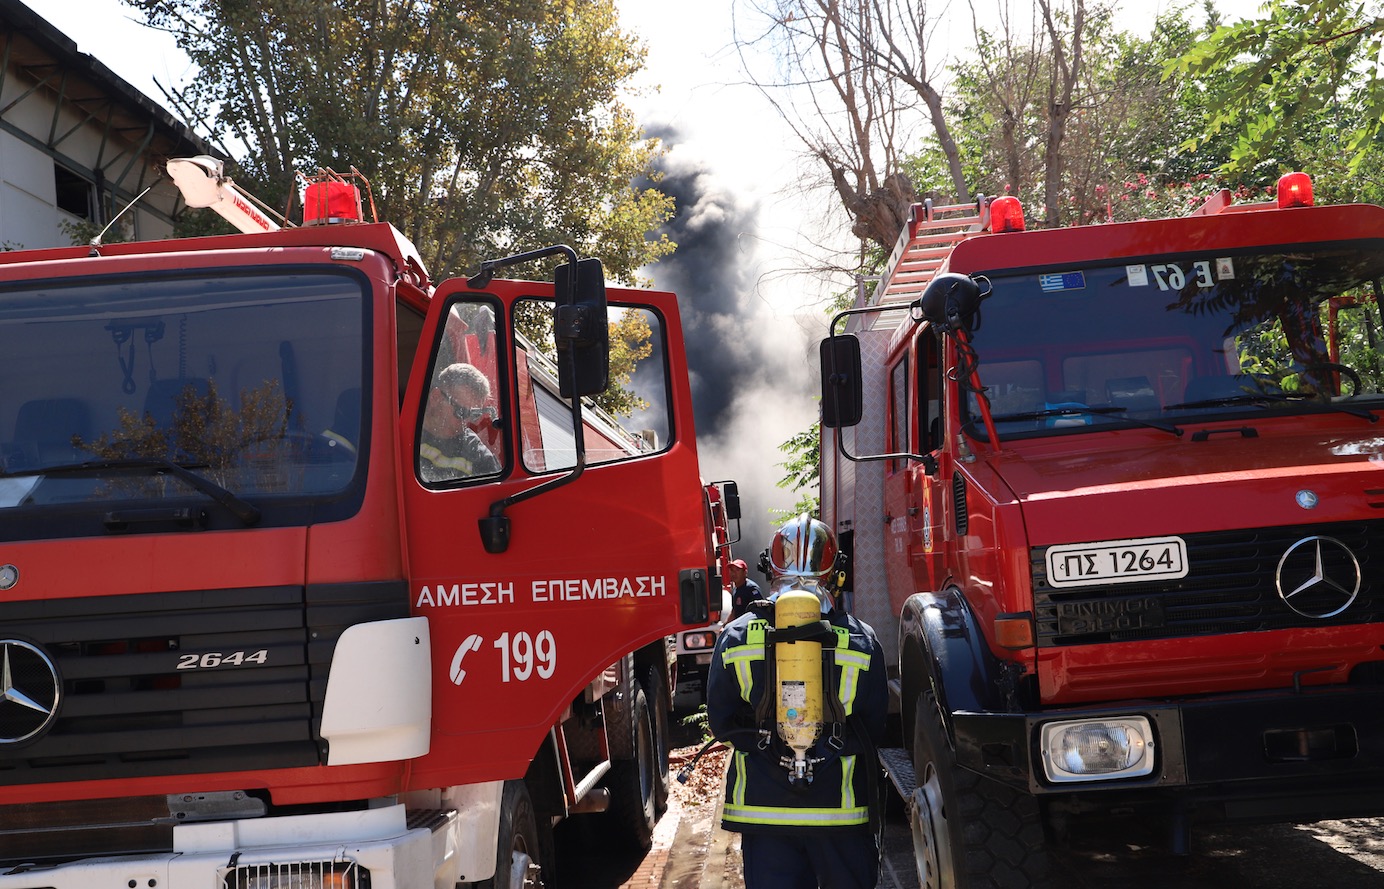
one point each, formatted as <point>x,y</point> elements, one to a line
<point>704,783</point>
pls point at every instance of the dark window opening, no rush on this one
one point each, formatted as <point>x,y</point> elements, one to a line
<point>74,193</point>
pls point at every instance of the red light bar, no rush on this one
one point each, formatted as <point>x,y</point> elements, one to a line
<point>1006,215</point>
<point>1294,190</point>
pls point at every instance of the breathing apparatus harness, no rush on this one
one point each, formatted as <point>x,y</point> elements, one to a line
<point>831,715</point>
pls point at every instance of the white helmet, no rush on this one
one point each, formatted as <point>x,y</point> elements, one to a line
<point>802,547</point>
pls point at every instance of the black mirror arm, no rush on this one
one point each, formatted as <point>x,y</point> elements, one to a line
<point>495,527</point>
<point>483,277</point>
<point>928,461</point>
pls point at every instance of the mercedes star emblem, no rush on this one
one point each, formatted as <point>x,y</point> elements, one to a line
<point>1318,577</point>
<point>29,691</point>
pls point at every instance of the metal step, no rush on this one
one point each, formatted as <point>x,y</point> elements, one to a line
<point>898,765</point>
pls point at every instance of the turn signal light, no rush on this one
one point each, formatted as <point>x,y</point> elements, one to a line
<point>1014,630</point>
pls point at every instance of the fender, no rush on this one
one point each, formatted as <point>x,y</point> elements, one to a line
<point>942,648</point>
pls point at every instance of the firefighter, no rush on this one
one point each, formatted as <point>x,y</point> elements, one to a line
<point>807,806</point>
<point>744,591</point>
<point>449,448</point>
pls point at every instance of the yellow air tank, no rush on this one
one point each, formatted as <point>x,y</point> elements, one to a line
<point>799,669</point>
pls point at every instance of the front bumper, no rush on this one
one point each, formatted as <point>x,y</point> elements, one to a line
<point>400,850</point>
<point>1278,756</point>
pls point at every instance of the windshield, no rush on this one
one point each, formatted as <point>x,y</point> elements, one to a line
<point>252,381</point>
<point>1183,338</point>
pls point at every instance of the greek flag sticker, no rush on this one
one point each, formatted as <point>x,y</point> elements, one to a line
<point>1056,281</point>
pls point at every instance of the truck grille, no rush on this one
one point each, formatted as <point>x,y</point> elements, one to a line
<point>183,682</point>
<point>1230,587</point>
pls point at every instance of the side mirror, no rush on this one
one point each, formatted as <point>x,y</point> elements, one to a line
<point>580,329</point>
<point>730,497</point>
<point>842,390</point>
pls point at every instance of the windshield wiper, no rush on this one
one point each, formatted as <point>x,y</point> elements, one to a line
<point>247,512</point>
<point>1263,399</point>
<point>1082,411</point>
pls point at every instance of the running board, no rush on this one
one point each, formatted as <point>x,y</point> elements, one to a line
<point>898,765</point>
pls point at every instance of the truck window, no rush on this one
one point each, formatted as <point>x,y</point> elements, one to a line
<point>1071,350</point>
<point>898,411</point>
<point>930,389</point>
<point>254,381</point>
<point>409,328</point>
<point>463,418</point>
<point>630,419</point>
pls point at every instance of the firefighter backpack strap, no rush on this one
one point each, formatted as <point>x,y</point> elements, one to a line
<point>741,658</point>
<point>834,709</point>
<point>760,634</point>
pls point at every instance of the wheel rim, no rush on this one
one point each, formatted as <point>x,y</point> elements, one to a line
<point>644,744</point>
<point>524,872</point>
<point>931,834</point>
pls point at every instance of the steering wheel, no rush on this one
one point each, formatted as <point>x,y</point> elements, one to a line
<point>1344,370</point>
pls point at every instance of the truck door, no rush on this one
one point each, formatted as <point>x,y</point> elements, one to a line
<point>915,499</point>
<point>593,568</point>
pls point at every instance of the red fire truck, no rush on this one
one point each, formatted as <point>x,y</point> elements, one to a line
<point>1112,495</point>
<point>282,606</point>
<point>693,647</point>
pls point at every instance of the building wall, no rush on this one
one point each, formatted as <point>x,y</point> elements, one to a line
<point>78,143</point>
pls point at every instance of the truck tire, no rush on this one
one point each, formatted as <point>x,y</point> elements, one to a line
<point>518,861</point>
<point>656,694</point>
<point>969,832</point>
<point>631,782</point>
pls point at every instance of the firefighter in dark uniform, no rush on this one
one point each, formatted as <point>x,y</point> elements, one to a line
<point>795,833</point>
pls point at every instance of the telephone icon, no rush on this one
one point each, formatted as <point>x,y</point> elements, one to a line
<point>472,643</point>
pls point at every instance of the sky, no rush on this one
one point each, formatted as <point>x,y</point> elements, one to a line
<point>746,231</point>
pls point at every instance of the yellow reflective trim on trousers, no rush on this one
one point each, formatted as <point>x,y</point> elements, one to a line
<point>848,782</point>
<point>789,817</point>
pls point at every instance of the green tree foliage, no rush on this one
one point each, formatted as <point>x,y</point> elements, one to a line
<point>802,474</point>
<point>629,344</point>
<point>1283,70</point>
<point>484,127</point>
<point>1120,141</point>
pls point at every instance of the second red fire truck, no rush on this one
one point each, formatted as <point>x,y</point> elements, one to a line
<point>1112,496</point>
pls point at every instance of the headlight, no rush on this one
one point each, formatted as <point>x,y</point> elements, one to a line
<point>698,640</point>
<point>1098,749</point>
